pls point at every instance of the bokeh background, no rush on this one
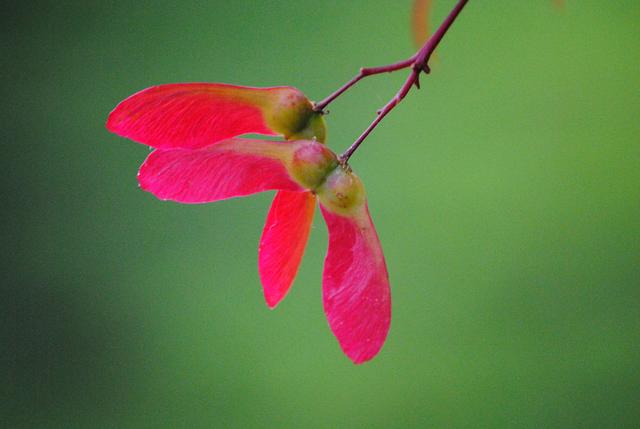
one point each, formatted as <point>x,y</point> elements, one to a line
<point>506,194</point>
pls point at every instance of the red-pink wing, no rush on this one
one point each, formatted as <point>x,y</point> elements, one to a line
<point>283,242</point>
<point>231,168</point>
<point>356,295</point>
<point>193,115</point>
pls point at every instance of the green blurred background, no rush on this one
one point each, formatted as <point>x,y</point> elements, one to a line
<point>506,194</point>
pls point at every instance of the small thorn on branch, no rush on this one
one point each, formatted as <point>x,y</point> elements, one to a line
<point>417,81</point>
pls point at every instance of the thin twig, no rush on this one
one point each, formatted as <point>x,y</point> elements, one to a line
<point>419,63</point>
<point>364,72</point>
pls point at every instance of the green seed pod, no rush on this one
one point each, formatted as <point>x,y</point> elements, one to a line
<point>312,163</point>
<point>342,191</point>
<point>293,116</point>
<point>315,129</point>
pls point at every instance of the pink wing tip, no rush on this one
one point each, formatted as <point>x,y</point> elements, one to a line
<point>113,123</point>
<point>274,288</point>
<point>273,300</point>
<point>362,343</point>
